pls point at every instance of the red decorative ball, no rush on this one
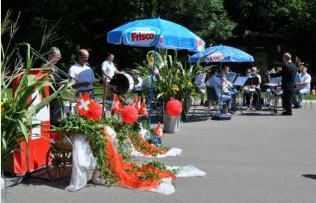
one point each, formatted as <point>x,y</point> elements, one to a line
<point>129,114</point>
<point>174,107</point>
<point>95,111</point>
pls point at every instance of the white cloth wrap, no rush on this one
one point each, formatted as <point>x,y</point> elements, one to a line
<point>186,171</point>
<point>171,152</point>
<point>83,163</point>
<point>165,187</point>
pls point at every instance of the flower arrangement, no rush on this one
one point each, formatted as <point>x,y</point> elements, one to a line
<point>174,79</point>
<point>85,122</point>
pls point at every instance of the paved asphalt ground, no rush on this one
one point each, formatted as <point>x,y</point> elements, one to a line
<point>254,158</point>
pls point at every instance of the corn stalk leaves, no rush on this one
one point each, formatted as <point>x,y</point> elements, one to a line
<point>17,113</point>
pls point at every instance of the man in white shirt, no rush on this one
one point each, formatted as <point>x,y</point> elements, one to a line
<point>303,87</point>
<point>83,74</point>
<point>108,68</point>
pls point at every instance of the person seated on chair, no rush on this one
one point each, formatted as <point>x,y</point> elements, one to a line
<point>215,82</point>
<point>276,80</point>
<point>303,87</point>
<point>253,92</point>
<point>199,82</point>
<point>228,87</point>
<point>245,90</point>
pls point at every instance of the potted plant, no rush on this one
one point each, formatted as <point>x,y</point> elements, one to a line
<point>174,81</point>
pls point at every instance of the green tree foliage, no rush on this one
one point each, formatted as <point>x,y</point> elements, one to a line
<point>85,23</point>
<point>293,22</point>
<point>207,18</point>
<point>273,16</point>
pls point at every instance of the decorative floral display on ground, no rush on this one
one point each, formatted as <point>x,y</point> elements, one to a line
<point>115,168</point>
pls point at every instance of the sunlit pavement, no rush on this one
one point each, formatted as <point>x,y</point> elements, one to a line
<point>257,157</point>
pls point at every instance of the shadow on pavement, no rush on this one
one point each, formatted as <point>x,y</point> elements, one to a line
<point>40,178</point>
<point>311,176</point>
<point>196,118</point>
<point>257,114</point>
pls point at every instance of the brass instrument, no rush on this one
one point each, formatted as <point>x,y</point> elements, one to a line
<point>226,85</point>
<point>245,88</point>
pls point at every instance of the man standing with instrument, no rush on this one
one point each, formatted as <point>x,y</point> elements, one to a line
<point>83,73</point>
<point>288,74</point>
<point>108,68</point>
<point>54,107</point>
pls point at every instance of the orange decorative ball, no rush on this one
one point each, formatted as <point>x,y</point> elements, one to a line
<point>95,112</point>
<point>174,107</point>
<point>129,114</point>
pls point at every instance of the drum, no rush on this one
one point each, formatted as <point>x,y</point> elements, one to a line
<point>122,83</point>
<point>138,84</point>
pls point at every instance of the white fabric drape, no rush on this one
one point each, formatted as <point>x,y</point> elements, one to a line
<point>83,163</point>
<point>186,171</point>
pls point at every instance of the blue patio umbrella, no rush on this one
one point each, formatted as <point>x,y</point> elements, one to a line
<point>156,33</point>
<point>221,53</point>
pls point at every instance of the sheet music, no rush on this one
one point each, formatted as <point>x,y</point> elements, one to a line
<point>272,84</point>
<point>241,80</point>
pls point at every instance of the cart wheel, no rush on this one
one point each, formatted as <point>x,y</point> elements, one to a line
<point>57,162</point>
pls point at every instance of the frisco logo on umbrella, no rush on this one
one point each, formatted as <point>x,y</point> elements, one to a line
<point>142,36</point>
<point>216,56</point>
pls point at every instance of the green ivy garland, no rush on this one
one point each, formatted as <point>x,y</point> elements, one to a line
<point>134,132</point>
<point>76,124</point>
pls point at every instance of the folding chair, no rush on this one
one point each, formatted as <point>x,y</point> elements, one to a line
<point>212,99</point>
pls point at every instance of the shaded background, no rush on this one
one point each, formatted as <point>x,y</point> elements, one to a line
<point>264,28</point>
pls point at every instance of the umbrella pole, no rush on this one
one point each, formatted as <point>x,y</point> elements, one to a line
<point>221,75</point>
<point>152,86</point>
<point>104,99</point>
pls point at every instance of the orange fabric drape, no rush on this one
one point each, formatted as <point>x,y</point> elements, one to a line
<point>127,173</point>
<point>152,150</point>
